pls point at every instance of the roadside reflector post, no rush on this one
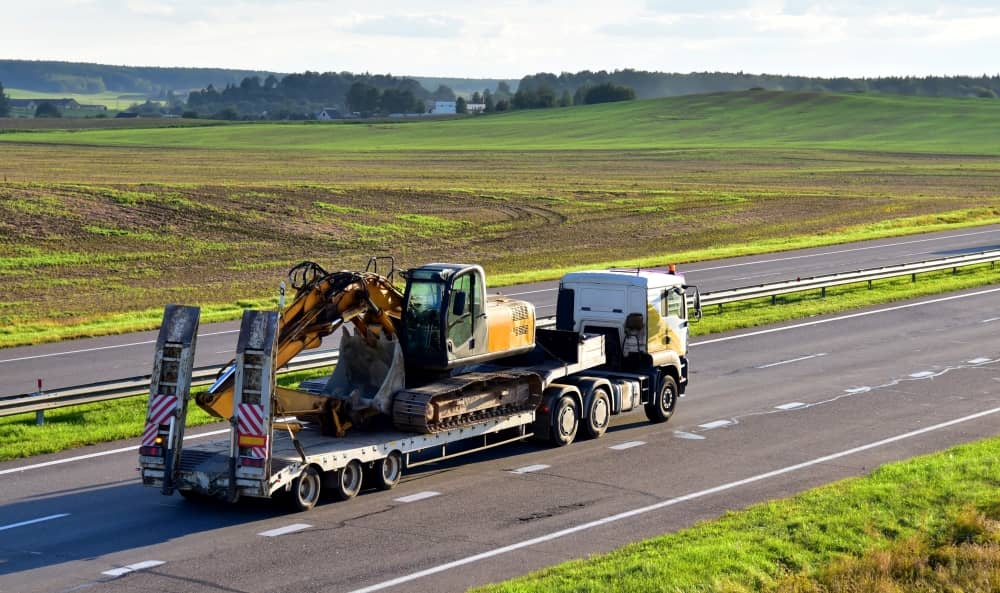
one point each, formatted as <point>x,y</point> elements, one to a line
<point>39,414</point>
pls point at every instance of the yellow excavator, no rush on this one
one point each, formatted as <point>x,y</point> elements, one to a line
<point>407,349</point>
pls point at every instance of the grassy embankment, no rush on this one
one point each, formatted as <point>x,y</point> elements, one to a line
<point>100,228</point>
<point>928,524</point>
<point>111,100</point>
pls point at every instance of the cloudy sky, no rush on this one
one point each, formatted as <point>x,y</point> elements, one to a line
<point>510,38</point>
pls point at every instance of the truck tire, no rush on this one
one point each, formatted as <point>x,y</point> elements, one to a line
<point>348,481</point>
<point>662,407</point>
<point>565,421</point>
<point>306,488</point>
<point>598,414</point>
<point>387,472</point>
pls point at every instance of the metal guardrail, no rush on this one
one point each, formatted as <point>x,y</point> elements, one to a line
<point>109,390</point>
<point>821,283</point>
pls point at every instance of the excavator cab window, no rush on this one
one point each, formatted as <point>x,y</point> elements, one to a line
<point>423,313</point>
<point>460,318</point>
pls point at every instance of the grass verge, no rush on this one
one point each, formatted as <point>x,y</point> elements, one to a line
<point>928,524</point>
<point>88,424</point>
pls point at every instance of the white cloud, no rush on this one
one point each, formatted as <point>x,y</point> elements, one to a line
<point>516,37</point>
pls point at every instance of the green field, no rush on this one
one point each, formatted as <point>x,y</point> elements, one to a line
<point>111,100</point>
<point>100,228</point>
<point>751,120</point>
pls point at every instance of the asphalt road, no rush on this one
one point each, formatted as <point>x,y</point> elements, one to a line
<point>79,362</point>
<point>770,412</point>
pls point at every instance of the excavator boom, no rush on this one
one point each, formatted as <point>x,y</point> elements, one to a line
<point>324,302</point>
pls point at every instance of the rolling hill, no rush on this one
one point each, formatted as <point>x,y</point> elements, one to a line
<point>749,119</point>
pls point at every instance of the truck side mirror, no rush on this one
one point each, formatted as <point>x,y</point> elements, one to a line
<point>458,307</point>
<point>697,301</point>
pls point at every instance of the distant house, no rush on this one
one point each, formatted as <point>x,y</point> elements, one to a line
<point>475,107</point>
<point>328,113</point>
<point>32,104</point>
<point>442,108</point>
<point>93,107</point>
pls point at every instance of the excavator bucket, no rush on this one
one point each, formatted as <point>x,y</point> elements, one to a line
<point>369,371</point>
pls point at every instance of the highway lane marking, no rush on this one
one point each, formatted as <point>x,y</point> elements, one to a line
<point>778,259</point>
<point>112,347</point>
<point>979,360</point>
<point>715,424</point>
<point>991,320</point>
<point>530,468</point>
<point>14,470</point>
<point>922,374</point>
<point>417,496</point>
<point>117,572</point>
<point>628,445</point>
<point>33,521</point>
<point>799,359</point>
<point>845,317</point>
<point>857,390</point>
<point>666,503</point>
<point>688,435</point>
<point>789,406</point>
<point>285,530</point>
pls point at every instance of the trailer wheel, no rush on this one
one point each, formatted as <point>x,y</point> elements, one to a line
<point>388,471</point>
<point>348,482</point>
<point>306,488</point>
<point>662,407</point>
<point>565,421</point>
<point>598,414</point>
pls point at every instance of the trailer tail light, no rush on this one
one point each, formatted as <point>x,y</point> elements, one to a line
<point>151,451</point>
<point>251,461</point>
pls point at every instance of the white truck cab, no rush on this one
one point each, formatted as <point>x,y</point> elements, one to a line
<point>642,313</point>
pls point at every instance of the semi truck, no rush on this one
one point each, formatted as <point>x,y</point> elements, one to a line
<point>435,371</point>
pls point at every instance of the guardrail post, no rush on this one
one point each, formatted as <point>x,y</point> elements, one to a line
<point>822,292</point>
<point>869,285</point>
<point>39,414</point>
<point>913,277</point>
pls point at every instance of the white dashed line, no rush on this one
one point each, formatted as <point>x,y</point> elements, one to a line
<point>991,320</point>
<point>922,374</point>
<point>417,496</point>
<point>530,468</point>
<point>117,572</point>
<point>285,530</point>
<point>716,424</point>
<point>33,521</point>
<point>688,435</point>
<point>799,359</point>
<point>789,406</point>
<point>979,360</point>
<point>857,390</point>
<point>520,545</point>
<point>628,445</point>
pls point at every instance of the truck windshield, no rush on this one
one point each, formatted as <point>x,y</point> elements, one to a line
<point>423,315</point>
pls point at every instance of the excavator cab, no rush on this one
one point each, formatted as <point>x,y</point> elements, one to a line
<point>443,316</point>
<point>449,322</point>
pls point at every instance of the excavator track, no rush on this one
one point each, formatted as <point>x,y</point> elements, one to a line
<point>465,400</point>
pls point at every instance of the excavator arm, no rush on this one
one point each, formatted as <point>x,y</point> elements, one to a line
<point>324,302</point>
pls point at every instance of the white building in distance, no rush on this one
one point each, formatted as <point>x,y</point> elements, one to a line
<point>442,108</point>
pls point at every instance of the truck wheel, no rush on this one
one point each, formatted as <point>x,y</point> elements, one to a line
<point>388,471</point>
<point>598,414</point>
<point>348,482</point>
<point>565,421</point>
<point>305,489</point>
<point>662,407</point>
